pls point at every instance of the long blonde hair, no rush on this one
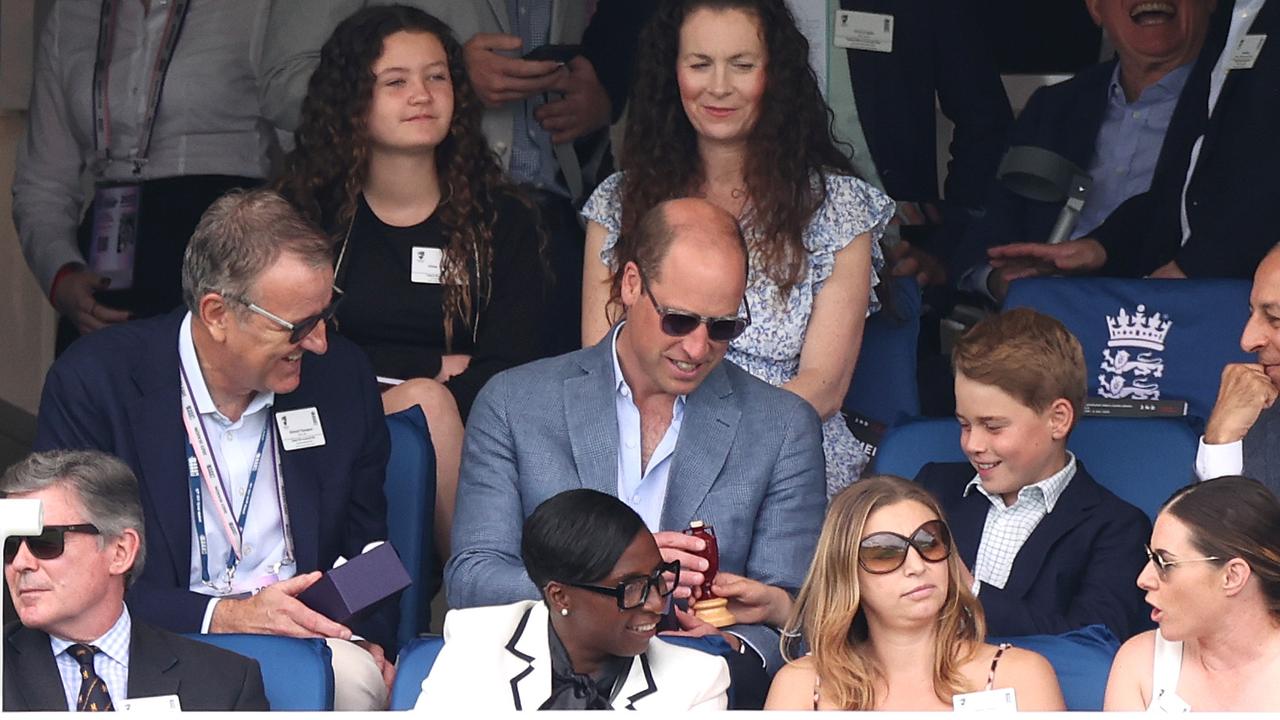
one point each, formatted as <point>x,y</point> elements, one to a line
<point>829,616</point>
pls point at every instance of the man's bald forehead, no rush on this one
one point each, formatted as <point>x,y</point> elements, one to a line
<point>695,219</point>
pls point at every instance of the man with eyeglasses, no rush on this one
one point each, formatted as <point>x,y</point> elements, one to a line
<point>653,416</point>
<point>258,439</point>
<point>75,645</point>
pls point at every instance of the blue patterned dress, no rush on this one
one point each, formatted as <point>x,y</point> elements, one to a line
<point>770,347</point>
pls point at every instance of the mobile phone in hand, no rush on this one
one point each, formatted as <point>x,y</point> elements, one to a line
<point>559,53</point>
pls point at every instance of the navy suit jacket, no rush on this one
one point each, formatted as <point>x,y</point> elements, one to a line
<point>748,461</point>
<point>939,56</point>
<point>1079,566</point>
<point>1064,118</point>
<point>1233,202</point>
<point>116,390</point>
<point>160,663</point>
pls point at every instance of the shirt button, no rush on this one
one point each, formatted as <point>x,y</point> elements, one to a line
<point>635,499</point>
<point>631,444</point>
<point>248,549</point>
<point>1137,115</point>
<point>231,436</point>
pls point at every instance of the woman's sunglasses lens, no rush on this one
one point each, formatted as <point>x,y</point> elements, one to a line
<point>882,556</point>
<point>933,542</point>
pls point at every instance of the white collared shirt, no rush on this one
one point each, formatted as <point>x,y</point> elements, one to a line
<point>643,489</point>
<point>1214,461</point>
<point>234,445</point>
<point>111,663</point>
<point>1008,527</point>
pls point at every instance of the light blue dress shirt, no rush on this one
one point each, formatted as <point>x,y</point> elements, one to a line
<point>533,159</point>
<point>643,489</point>
<point>111,663</point>
<point>1128,144</point>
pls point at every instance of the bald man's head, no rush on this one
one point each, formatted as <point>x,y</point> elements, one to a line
<point>686,220</point>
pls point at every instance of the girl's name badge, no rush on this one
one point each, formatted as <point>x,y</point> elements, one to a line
<point>424,265</point>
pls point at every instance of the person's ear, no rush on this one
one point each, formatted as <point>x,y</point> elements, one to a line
<point>124,551</point>
<point>631,286</point>
<point>1235,575</point>
<point>215,314</point>
<point>1062,415</point>
<point>1095,11</point>
<point>557,598</point>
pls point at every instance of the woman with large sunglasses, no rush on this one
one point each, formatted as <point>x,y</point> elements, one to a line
<point>888,621</point>
<point>1213,583</point>
<point>439,257</point>
<point>589,643</point>
<point>726,107</point>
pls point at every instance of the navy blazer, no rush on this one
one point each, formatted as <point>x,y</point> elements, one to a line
<point>1079,566</point>
<point>1233,202</point>
<point>203,677</point>
<point>117,390</point>
<point>939,56</point>
<point>1065,118</point>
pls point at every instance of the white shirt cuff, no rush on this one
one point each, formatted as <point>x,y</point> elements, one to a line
<point>1218,460</point>
<point>208,615</point>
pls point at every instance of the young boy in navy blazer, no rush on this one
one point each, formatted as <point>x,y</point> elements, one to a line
<point>1049,549</point>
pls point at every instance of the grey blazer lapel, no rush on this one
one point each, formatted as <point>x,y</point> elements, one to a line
<point>32,682</point>
<point>592,419</point>
<point>499,9</point>
<point>710,423</point>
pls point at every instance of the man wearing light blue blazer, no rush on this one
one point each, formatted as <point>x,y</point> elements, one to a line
<point>651,415</point>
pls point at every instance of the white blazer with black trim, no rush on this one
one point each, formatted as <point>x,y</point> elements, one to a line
<point>497,657</point>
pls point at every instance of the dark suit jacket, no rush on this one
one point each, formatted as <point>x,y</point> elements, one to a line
<point>117,390</point>
<point>1261,450</point>
<point>160,663</point>
<point>1233,202</point>
<point>939,56</point>
<point>1064,118</point>
<point>1078,567</point>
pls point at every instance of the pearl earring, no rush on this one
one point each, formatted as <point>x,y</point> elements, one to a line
<point>564,612</point>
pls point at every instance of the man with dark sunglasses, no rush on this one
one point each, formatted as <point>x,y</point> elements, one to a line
<point>653,416</point>
<point>76,645</point>
<point>257,437</point>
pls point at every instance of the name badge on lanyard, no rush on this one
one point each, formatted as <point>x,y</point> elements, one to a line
<point>863,31</point>
<point>116,205</point>
<point>1247,52</point>
<point>205,479</point>
<point>115,232</point>
<point>424,265</point>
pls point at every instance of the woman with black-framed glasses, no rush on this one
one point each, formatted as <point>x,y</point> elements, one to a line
<point>1213,582</point>
<point>889,623</point>
<point>590,643</point>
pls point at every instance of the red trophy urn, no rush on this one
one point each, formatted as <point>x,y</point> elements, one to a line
<point>708,607</point>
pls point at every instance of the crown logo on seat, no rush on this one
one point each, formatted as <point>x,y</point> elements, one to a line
<point>1138,330</point>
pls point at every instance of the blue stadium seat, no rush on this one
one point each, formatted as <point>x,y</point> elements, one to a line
<point>1080,658</point>
<point>884,387</point>
<point>416,659</point>
<point>1143,460</point>
<point>411,499</point>
<point>1148,339</point>
<point>297,672</point>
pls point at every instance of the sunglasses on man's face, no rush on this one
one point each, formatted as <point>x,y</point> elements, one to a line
<point>678,323</point>
<point>884,552</point>
<point>302,328</point>
<point>48,544</point>
<point>634,592</point>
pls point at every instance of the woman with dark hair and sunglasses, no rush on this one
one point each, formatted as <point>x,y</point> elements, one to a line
<point>888,621</point>
<point>726,107</point>
<point>589,643</point>
<point>439,258</point>
<point>1213,583</point>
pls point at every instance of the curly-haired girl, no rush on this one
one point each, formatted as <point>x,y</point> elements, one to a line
<point>439,260</point>
<point>726,107</point>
